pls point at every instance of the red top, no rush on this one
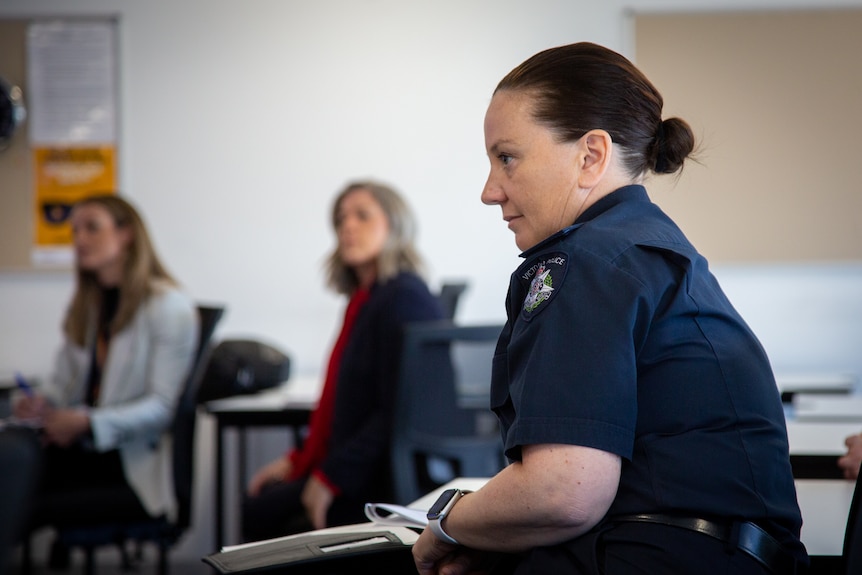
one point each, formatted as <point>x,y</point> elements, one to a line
<point>305,460</point>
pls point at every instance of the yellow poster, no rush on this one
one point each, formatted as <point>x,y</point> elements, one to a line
<point>64,176</point>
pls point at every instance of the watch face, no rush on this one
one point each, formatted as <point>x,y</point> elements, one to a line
<point>441,503</point>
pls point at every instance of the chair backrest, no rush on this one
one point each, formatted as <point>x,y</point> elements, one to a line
<point>449,296</point>
<point>443,420</point>
<point>183,429</point>
<point>852,554</point>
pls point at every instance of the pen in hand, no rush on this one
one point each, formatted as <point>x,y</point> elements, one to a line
<point>24,386</point>
<point>32,405</point>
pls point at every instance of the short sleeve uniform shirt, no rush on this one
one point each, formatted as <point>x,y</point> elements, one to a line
<point>619,338</point>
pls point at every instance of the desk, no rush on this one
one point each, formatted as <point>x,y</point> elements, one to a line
<point>815,446</point>
<point>816,442</point>
<point>821,410</point>
<point>825,505</point>
<point>792,384</point>
<point>288,405</point>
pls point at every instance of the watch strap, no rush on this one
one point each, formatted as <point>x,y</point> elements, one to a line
<point>437,529</point>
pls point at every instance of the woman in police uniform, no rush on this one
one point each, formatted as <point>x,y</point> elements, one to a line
<point>638,409</point>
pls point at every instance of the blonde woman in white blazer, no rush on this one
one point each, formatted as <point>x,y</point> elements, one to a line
<point>130,336</point>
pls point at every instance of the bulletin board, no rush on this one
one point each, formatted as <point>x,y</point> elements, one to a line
<point>66,148</point>
<point>773,97</point>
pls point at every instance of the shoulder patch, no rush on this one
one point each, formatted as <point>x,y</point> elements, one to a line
<point>544,278</point>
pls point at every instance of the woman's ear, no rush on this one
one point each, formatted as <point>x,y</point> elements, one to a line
<point>595,159</point>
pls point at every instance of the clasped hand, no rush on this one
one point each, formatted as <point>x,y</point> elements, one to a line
<point>316,497</point>
<point>433,556</point>
<point>61,427</point>
<point>852,460</point>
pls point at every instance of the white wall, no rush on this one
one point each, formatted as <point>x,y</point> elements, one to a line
<point>240,120</point>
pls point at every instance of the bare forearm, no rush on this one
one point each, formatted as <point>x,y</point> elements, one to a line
<point>555,494</point>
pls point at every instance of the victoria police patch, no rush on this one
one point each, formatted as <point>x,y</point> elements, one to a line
<point>545,276</point>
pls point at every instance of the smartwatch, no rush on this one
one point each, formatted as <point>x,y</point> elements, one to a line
<point>440,510</point>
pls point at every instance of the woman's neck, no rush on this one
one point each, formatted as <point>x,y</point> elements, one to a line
<point>366,275</point>
<point>109,277</point>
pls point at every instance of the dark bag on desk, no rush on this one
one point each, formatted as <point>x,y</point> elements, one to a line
<point>242,366</point>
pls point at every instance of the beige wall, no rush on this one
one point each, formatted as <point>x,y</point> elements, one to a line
<point>776,99</point>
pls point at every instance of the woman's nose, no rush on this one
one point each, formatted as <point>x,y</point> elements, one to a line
<point>346,223</point>
<point>491,194</point>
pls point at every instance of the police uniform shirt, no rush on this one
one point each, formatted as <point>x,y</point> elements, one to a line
<point>619,338</point>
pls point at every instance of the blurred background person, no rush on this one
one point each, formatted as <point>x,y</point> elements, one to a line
<point>344,461</point>
<point>130,334</point>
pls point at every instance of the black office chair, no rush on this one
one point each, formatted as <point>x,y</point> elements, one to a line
<point>160,531</point>
<point>852,554</point>
<point>443,426</point>
<point>449,296</point>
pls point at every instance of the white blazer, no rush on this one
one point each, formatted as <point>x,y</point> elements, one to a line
<point>144,373</point>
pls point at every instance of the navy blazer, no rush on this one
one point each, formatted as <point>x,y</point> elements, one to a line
<point>357,459</point>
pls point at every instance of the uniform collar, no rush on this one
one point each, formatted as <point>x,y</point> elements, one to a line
<point>634,192</point>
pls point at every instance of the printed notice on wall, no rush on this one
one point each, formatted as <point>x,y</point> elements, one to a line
<point>71,74</point>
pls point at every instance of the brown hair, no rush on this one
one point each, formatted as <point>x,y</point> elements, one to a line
<point>583,86</point>
<point>399,252</point>
<point>142,266</point>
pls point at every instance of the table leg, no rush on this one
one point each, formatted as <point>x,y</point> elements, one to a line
<point>242,458</point>
<point>219,498</point>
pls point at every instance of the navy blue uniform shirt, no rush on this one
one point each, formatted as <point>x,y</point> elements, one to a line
<point>619,338</point>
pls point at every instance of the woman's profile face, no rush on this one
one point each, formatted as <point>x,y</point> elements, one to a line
<point>362,229</point>
<point>533,177</point>
<point>100,246</point>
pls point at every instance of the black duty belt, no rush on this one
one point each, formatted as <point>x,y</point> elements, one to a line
<point>750,538</point>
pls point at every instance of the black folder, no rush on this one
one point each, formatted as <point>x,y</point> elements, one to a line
<point>367,547</point>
